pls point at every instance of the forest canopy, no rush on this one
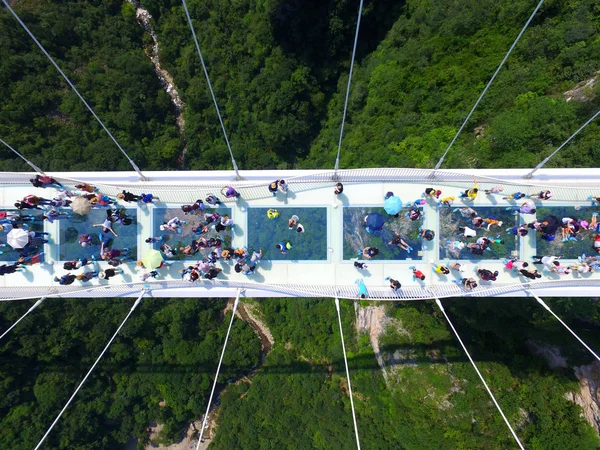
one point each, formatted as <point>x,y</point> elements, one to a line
<point>279,70</point>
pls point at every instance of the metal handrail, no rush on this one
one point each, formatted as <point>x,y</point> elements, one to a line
<point>173,193</point>
<point>376,293</point>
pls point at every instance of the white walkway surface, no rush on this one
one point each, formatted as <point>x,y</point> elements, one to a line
<point>308,188</point>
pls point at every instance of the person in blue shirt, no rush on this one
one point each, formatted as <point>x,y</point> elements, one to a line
<point>147,198</point>
<point>515,196</point>
<point>283,247</point>
<point>362,289</point>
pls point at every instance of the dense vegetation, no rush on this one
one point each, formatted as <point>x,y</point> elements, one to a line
<point>99,48</point>
<point>160,368</point>
<point>411,95</point>
<point>433,398</point>
<point>279,70</point>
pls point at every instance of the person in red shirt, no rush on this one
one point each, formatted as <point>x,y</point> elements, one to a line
<point>417,274</point>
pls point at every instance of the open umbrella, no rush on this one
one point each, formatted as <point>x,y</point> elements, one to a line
<point>152,259</point>
<point>392,205</point>
<point>81,206</point>
<point>375,221</point>
<point>17,238</point>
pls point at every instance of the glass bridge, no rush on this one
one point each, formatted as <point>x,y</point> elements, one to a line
<point>320,260</point>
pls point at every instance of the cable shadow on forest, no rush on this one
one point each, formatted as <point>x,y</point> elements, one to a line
<point>358,362</point>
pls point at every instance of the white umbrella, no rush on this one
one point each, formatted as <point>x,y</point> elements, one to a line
<point>17,238</point>
<point>81,206</point>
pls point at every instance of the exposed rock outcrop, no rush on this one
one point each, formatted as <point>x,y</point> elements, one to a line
<point>166,80</point>
<point>589,395</point>
<point>584,91</point>
<point>371,320</point>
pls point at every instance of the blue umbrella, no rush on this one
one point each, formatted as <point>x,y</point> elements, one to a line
<point>375,221</point>
<point>393,205</point>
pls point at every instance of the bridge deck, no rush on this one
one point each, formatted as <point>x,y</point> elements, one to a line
<point>319,262</point>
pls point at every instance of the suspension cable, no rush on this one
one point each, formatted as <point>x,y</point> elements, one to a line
<point>337,158</point>
<point>212,392</point>
<point>540,165</point>
<point>541,302</point>
<point>35,305</point>
<point>337,307</point>
<point>32,165</point>
<point>212,93</point>
<point>74,88</point>
<point>437,166</point>
<point>137,302</point>
<point>439,303</point>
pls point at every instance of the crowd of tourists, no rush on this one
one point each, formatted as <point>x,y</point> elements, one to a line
<point>208,231</point>
<point>478,234</point>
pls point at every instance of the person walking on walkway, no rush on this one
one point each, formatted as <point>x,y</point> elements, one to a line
<point>494,190</point>
<point>6,269</point>
<point>283,187</point>
<point>274,187</point>
<point>527,207</point>
<point>34,200</point>
<point>417,274</point>
<point>487,275</point>
<point>86,188</point>
<point>128,197</point>
<point>460,268</point>
<point>360,265</point>
<point>542,195</point>
<point>212,200</point>
<point>468,284</point>
<point>87,276</point>
<point>109,273</point>
<point>447,201</point>
<point>229,192</point>
<point>76,263</point>
<point>432,192</point>
<point>362,289</point>
<point>44,181</point>
<point>471,194</point>
<point>532,274</point>
<point>394,284</point>
<point>66,279</point>
<point>147,198</point>
<point>439,268</point>
<point>515,196</point>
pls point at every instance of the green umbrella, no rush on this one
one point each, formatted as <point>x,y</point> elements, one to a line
<point>152,259</point>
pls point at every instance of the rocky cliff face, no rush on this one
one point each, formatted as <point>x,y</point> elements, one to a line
<point>166,80</point>
<point>584,91</point>
<point>371,320</point>
<point>588,396</point>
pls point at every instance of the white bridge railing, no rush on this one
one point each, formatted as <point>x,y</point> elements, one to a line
<point>171,190</point>
<point>344,292</point>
